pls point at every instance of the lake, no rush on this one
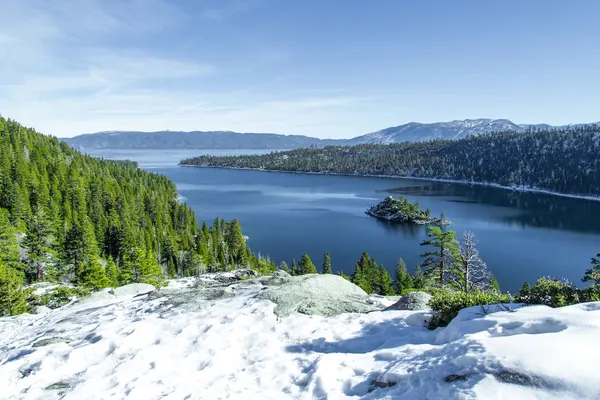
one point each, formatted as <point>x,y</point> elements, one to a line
<point>522,236</point>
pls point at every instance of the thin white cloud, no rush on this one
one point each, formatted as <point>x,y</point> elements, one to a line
<point>72,67</point>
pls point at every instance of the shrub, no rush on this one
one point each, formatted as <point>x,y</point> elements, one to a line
<point>56,297</point>
<point>553,292</point>
<point>446,305</point>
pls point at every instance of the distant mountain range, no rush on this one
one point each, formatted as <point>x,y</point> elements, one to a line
<point>192,140</point>
<point>411,132</point>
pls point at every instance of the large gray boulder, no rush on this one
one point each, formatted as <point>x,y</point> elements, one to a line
<point>133,289</point>
<point>326,295</point>
<point>278,278</point>
<point>41,310</point>
<point>103,296</point>
<point>414,301</point>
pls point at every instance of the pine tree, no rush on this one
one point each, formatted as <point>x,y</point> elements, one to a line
<point>139,266</point>
<point>440,262</point>
<point>222,258</point>
<point>403,279</point>
<point>593,274</point>
<point>37,242</point>
<point>93,276</point>
<point>418,278</point>
<point>294,269</point>
<point>12,297</point>
<point>112,273</point>
<point>236,243</point>
<point>306,266</point>
<point>525,290</point>
<point>362,273</point>
<point>284,267</point>
<point>327,264</point>
<point>494,285</point>
<point>374,276</point>
<point>9,249</point>
<point>80,245</point>
<point>386,283</point>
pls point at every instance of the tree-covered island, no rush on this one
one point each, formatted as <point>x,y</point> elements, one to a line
<point>403,211</point>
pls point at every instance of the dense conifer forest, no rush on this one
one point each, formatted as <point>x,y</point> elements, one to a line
<point>74,219</point>
<point>559,160</point>
<point>68,217</point>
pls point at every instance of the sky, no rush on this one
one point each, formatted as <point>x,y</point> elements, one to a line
<point>329,69</point>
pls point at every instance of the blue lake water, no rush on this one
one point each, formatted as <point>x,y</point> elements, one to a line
<point>522,236</point>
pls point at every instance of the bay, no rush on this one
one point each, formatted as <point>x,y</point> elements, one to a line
<point>522,235</point>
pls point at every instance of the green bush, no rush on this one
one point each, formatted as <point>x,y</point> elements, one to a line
<point>554,292</point>
<point>446,304</point>
<point>56,297</point>
<point>591,293</point>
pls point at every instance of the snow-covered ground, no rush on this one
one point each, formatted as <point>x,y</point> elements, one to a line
<point>236,348</point>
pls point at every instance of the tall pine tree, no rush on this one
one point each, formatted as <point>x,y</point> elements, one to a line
<point>403,279</point>
<point>38,241</point>
<point>306,266</point>
<point>327,264</point>
<point>362,273</point>
<point>440,261</point>
<point>9,249</point>
<point>12,297</point>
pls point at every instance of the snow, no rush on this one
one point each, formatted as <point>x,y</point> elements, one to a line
<point>140,347</point>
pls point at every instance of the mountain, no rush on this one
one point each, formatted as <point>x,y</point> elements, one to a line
<point>418,132</point>
<point>559,160</point>
<point>192,140</point>
<point>411,132</point>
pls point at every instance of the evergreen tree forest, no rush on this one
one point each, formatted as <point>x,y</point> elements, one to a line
<point>558,160</point>
<point>371,277</point>
<point>65,216</point>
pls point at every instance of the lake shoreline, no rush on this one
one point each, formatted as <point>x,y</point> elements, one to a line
<point>495,185</point>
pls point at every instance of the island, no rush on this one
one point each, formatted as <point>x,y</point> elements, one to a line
<point>403,211</point>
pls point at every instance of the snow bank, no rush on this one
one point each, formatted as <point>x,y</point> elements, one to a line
<point>236,348</point>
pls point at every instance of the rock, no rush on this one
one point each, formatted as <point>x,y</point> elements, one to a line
<point>58,386</point>
<point>529,379</point>
<point>134,289</point>
<point>278,278</point>
<point>244,274</point>
<point>49,341</point>
<point>375,384</point>
<point>515,378</point>
<point>314,294</point>
<point>188,298</point>
<point>224,278</point>
<point>455,378</point>
<point>103,296</point>
<point>41,310</point>
<point>218,293</point>
<point>414,301</point>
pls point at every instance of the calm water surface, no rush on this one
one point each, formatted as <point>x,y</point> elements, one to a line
<point>521,235</point>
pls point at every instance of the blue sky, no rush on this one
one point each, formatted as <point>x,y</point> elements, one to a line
<point>325,68</point>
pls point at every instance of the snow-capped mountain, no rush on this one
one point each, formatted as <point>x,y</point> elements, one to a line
<point>417,132</point>
<point>411,132</point>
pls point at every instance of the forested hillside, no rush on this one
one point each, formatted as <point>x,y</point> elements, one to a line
<point>559,160</point>
<point>65,216</point>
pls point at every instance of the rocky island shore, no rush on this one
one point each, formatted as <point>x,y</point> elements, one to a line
<point>403,211</point>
